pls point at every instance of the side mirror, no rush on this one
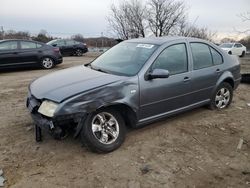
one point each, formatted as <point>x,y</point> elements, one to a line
<point>158,73</point>
<point>54,45</point>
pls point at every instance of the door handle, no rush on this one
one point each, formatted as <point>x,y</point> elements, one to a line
<point>186,79</point>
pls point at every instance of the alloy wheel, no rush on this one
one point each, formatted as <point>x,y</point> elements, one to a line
<point>105,128</point>
<point>222,98</point>
<point>47,63</point>
<point>79,52</point>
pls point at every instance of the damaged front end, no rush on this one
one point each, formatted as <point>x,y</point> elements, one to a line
<point>58,126</point>
<point>59,119</point>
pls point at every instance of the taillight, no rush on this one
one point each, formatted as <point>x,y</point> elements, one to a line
<point>56,50</point>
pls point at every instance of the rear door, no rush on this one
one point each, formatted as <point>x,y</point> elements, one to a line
<point>61,45</point>
<point>70,47</point>
<point>8,53</point>
<point>238,49</point>
<point>29,52</point>
<point>207,68</point>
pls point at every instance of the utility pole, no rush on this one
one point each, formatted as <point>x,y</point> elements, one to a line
<point>102,38</point>
<point>2,32</point>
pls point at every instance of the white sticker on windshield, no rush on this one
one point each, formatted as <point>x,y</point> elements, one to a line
<point>148,46</point>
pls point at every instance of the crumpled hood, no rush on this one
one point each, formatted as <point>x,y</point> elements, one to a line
<point>63,84</point>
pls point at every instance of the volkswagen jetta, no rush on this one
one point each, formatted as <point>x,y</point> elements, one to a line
<point>134,83</point>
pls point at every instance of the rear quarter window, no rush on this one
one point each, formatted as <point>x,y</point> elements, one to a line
<point>217,57</point>
<point>38,45</point>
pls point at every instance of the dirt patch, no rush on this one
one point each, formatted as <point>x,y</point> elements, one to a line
<point>194,149</point>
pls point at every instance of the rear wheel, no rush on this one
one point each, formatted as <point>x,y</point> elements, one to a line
<point>243,54</point>
<point>78,52</point>
<point>47,63</point>
<point>223,96</point>
<point>103,131</point>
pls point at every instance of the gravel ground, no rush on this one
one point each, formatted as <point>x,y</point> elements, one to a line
<point>194,149</point>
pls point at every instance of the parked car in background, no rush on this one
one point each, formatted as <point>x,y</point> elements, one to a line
<point>134,83</point>
<point>234,49</point>
<point>69,47</point>
<point>25,53</point>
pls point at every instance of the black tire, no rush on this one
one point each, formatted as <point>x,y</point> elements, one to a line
<point>47,63</point>
<point>78,52</point>
<point>214,104</point>
<point>243,54</point>
<point>90,138</point>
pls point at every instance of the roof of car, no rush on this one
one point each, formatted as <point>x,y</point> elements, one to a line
<point>161,40</point>
<point>20,40</point>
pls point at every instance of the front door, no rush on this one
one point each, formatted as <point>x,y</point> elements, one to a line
<point>165,95</point>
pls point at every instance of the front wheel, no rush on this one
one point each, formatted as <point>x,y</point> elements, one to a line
<point>223,96</point>
<point>47,63</point>
<point>103,131</point>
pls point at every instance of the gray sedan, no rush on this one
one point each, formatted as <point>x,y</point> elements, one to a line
<point>134,83</point>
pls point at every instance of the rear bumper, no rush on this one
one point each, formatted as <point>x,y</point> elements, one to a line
<point>59,60</point>
<point>85,50</point>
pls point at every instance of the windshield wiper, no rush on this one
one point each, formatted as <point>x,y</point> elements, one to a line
<point>97,69</point>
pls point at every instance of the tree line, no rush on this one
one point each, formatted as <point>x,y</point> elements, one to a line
<point>134,18</point>
<point>44,37</point>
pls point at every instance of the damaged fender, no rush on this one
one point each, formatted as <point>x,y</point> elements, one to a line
<point>125,92</point>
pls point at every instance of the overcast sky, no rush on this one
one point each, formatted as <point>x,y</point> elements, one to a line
<point>88,17</point>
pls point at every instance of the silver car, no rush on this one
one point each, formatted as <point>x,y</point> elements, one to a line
<point>134,83</point>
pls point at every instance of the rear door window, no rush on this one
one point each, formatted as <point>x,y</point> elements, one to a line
<point>59,43</point>
<point>28,45</point>
<point>10,45</point>
<point>70,42</point>
<point>201,56</point>
<point>238,45</point>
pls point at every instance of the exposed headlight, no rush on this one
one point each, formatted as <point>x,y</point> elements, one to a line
<point>48,108</point>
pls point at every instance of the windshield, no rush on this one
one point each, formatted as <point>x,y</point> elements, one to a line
<point>126,58</point>
<point>51,42</point>
<point>226,45</point>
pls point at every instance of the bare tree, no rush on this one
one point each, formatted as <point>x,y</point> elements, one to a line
<point>136,17</point>
<point>11,34</point>
<point>188,30</point>
<point>117,22</point>
<point>164,16</point>
<point>42,36</point>
<point>127,19</point>
<point>78,37</point>
<point>245,17</point>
